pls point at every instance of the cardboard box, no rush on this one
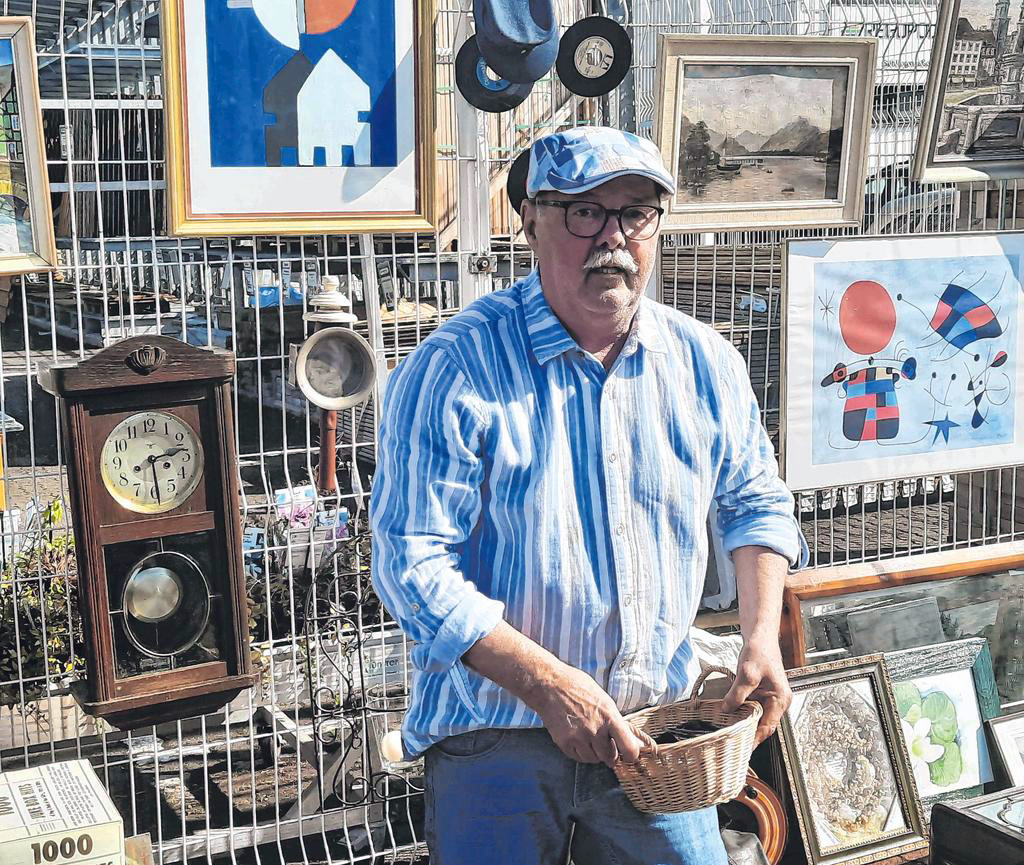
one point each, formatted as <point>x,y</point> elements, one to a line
<point>58,814</point>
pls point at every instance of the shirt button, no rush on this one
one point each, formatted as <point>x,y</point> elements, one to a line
<point>620,530</point>
<point>612,458</point>
<point>415,608</point>
<point>627,601</point>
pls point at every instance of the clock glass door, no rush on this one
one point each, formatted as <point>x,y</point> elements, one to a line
<point>165,604</point>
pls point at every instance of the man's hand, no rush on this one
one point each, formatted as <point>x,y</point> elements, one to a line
<point>584,721</point>
<point>579,716</point>
<point>760,676</point>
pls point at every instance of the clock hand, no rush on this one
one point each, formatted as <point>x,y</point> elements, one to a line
<point>170,453</point>
<point>156,482</point>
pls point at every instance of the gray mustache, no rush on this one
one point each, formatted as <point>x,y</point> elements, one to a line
<point>612,258</point>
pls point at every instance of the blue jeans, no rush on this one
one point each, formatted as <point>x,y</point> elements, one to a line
<point>509,797</point>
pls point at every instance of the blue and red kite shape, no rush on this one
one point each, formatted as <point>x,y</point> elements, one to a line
<point>961,317</point>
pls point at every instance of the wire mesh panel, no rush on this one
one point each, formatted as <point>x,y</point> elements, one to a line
<point>293,770</point>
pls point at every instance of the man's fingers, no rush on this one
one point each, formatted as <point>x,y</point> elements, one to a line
<point>626,741</point>
<point>605,748</point>
<point>740,690</point>
<point>582,751</point>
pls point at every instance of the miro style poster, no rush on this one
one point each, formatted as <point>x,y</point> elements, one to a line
<point>299,115</point>
<point>902,357</point>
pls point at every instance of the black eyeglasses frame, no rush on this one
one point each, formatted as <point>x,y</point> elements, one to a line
<point>608,212</point>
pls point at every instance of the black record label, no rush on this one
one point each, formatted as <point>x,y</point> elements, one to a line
<point>515,186</point>
<point>480,87</point>
<point>594,56</point>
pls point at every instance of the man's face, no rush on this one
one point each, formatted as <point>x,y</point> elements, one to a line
<point>575,287</point>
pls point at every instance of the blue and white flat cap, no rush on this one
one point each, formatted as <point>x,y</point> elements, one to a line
<point>575,160</point>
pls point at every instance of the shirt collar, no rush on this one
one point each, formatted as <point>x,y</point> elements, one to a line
<point>549,338</point>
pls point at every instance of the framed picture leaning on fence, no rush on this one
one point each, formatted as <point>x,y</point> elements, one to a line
<point>307,117</point>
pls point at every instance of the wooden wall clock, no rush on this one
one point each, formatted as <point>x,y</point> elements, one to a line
<point>149,437</point>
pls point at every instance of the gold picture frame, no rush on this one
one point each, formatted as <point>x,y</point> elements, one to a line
<point>27,241</point>
<point>346,148</point>
<point>761,168</point>
<point>858,805</point>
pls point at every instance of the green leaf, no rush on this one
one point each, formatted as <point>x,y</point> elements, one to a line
<point>907,695</point>
<point>948,768</point>
<point>940,709</point>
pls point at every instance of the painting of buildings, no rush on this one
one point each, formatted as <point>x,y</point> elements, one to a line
<point>981,109</point>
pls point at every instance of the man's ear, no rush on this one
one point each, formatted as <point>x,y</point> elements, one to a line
<point>528,212</point>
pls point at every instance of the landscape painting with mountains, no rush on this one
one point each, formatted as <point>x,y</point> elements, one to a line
<point>761,132</point>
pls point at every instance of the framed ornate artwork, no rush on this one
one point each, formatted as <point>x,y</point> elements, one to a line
<point>26,220</point>
<point>853,790</point>
<point>972,126</point>
<point>978,592</point>
<point>764,132</point>
<point>899,352</point>
<point>305,117</point>
<point>944,695</point>
<point>1008,738</point>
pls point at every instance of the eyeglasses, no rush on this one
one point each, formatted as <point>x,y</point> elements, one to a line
<point>588,219</point>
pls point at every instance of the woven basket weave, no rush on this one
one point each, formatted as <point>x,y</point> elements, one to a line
<point>697,772</point>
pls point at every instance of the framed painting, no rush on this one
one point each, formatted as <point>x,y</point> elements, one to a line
<point>764,132</point>
<point>979,592</point>
<point>898,352</point>
<point>1008,739</point>
<point>290,118</point>
<point>853,790</point>
<point>944,695</point>
<point>972,125</point>
<point>26,220</point>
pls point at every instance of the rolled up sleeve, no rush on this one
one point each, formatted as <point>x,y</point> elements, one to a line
<point>754,505</point>
<point>424,504</point>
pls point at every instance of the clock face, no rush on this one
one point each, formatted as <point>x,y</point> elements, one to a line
<point>151,462</point>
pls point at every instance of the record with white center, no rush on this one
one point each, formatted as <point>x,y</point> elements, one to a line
<point>594,56</point>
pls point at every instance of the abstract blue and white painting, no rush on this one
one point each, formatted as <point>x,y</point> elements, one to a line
<point>903,357</point>
<point>301,108</point>
<point>301,82</point>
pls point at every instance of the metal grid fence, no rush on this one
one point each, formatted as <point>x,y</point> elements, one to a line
<point>291,771</point>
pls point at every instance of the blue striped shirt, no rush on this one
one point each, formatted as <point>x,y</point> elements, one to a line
<point>517,479</point>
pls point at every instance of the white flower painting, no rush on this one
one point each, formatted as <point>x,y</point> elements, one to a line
<point>943,731</point>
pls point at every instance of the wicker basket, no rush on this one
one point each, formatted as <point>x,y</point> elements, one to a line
<point>697,772</point>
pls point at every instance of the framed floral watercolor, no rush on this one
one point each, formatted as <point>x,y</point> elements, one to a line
<point>854,792</point>
<point>944,695</point>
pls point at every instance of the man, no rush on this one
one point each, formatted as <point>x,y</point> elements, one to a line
<point>547,460</point>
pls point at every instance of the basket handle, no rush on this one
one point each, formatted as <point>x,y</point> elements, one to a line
<point>707,671</point>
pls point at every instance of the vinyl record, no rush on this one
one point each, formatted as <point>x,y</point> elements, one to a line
<point>478,84</point>
<point>515,185</point>
<point>594,56</point>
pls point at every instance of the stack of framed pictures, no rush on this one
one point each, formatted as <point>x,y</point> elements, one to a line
<point>977,592</point>
<point>953,707</point>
